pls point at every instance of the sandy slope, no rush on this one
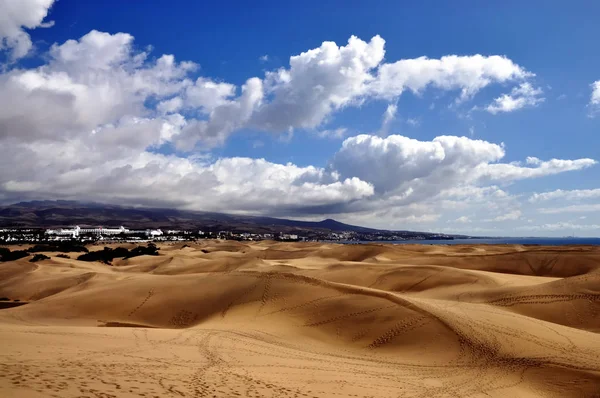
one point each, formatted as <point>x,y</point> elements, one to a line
<point>226,319</point>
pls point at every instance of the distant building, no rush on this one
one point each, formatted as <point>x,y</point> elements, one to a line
<point>100,231</point>
<point>76,231</point>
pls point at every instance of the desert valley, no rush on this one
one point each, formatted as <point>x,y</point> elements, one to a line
<point>267,319</point>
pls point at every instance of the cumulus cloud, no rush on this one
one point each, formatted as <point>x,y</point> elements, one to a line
<point>262,184</point>
<point>469,74</point>
<point>520,97</point>
<point>318,82</point>
<point>171,105</point>
<point>101,77</point>
<point>367,173</point>
<point>86,84</point>
<point>77,170</point>
<point>95,119</point>
<point>224,118</point>
<point>454,172</point>
<point>326,79</point>
<point>399,163</point>
<point>15,17</point>
<point>208,95</point>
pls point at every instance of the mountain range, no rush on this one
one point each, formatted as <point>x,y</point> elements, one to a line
<point>47,214</point>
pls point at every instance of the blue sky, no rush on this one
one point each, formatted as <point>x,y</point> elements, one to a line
<point>270,109</point>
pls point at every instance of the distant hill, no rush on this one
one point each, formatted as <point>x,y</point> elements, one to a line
<point>65,213</point>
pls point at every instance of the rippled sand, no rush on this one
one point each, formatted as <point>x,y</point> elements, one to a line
<point>227,319</point>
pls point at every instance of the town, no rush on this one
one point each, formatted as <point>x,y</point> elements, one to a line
<point>88,234</point>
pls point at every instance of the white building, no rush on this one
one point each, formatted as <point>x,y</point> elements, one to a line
<point>64,232</point>
<point>77,231</point>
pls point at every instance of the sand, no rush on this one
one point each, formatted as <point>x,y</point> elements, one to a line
<point>266,319</point>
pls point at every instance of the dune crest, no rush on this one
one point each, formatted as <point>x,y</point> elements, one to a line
<point>266,319</point>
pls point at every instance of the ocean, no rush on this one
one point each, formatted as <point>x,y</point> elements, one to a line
<point>498,241</point>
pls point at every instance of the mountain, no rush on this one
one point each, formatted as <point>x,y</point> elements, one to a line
<point>48,214</point>
<point>63,213</point>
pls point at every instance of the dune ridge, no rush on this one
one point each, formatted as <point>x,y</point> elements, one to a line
<point>266,319</point>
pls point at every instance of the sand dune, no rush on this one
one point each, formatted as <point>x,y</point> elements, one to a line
<point>227,319</point>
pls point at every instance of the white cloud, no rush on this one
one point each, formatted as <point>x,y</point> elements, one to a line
<point>367,174</point>
<point>326,79</point>
<point>510,216</point>
<point>101,77</point>
<point>422,219</point>
<point>318,82</point>
<point>595,98</point>
<point>91,120</point>
<point>79,170</point>
<point>416,216</point>
<point>585,208</point>
<point>208,95</point>
<point>263,184</point>
<point>520,97</point>
<point>388,117</point>
<point>469,74</point>
<point>397,163</point>
<point>15,17</point>
<point>170,105</point>
<point>511,172</point>
<point>225,117</point>
<point>532,160</point>
<point>264,58</point>
<point>447,174</point>
<point>338,133</point>
<point>413,122</point>
<point>470,192</point>
<point>463,220</point>
<point>86,84</point>
<point>575,194</point>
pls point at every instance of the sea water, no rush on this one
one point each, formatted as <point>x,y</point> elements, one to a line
<point>497,241</point>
